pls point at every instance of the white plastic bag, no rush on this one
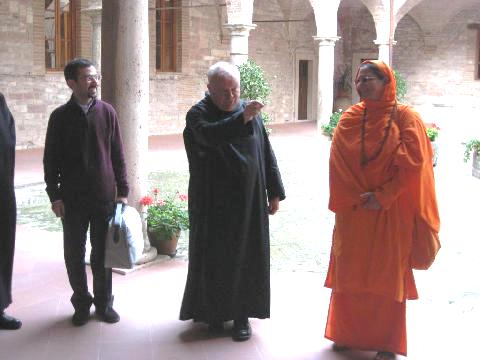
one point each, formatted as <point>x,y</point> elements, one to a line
<point>124,242</point>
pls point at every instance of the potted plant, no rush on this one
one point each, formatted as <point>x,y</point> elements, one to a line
<point>472,148</point>
<point>166,216</point>
<point>432,133</point>
<point>328,129</point>
<point>254,86</point>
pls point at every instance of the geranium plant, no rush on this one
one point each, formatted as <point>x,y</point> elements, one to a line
<point>167,214</point>
<point>473,146</point>
<point>432,131</point>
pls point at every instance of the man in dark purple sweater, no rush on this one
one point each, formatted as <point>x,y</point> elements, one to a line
<point>85,174</point>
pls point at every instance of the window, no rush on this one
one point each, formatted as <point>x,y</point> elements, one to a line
<point>59,33</point>
<point>167,34</point>
<point>476,62</point>
<point>477,55</point>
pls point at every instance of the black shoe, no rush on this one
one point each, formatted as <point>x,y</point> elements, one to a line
<point>9,323</point>
<point>241,330</point>
<point>108,315</point>
<point>215,327</point>
<point>81,316</point>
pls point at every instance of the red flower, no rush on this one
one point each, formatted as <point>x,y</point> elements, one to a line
<point>432,126</point>
<point>183,197</point>
<point>146,200</point>
<point>155,191</point>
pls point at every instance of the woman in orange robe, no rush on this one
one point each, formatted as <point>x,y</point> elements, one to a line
<point>381,178</point>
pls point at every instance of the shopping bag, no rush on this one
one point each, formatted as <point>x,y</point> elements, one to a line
<point>124,242</point>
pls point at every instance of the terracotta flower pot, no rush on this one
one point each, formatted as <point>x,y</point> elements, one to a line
<point>163,245</point>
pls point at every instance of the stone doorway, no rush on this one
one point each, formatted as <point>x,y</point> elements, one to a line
<point>304,88</point>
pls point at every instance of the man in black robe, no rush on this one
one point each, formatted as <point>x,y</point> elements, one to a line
<point>8,214</point>
<point>234,184</point>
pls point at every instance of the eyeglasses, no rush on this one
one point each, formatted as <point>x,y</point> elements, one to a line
<point>364,79</point>
<point>90,78</point>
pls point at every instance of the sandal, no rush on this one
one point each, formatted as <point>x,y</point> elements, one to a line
<point>385,355</point>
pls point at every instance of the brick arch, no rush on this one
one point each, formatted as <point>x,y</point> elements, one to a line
<point>325,16</point>
<point>444,11</point>
<point>405,8</point>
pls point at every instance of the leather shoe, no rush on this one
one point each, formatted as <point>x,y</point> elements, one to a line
<point>9,323</point>
<point>81,316</point>
<point>241,330</point>
<point>109,315</point>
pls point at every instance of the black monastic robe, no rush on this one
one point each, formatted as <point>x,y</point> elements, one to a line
<point>233,172</point>
<point>8,208</point>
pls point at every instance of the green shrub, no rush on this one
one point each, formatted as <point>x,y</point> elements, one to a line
<point>401,86</point>
<point>329,128</point>
<point>432,131</point>
<point>471,147</point>
<point>254,85</point>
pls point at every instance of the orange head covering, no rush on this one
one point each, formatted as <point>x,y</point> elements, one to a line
<point>389,96</point>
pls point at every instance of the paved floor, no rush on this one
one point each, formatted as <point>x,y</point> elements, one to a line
<point>443,324</point>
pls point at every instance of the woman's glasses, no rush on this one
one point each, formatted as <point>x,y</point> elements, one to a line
<point>364,79</point>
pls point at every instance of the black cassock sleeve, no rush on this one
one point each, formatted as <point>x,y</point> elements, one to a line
<point>209,132</point>
<point>272,172</point>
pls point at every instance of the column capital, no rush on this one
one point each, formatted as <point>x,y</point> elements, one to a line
<point>380,42</point>
<point>326,40</point>
<point>240,29</point>
<point>95,14</point>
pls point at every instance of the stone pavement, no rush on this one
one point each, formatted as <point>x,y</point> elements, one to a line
<point>443,324</point>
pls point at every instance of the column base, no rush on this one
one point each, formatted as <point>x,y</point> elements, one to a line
<point>147,256</point>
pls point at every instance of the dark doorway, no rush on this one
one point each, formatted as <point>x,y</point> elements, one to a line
<point>303,90</point>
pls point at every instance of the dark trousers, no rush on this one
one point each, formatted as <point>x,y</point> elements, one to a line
<point>79,215</point>
<point>8,219</point>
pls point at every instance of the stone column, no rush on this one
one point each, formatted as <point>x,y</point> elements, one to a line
<point>125,67</point>
<point>384,50</point>
<point>326,62</point>
<point>95,14</point>
<point>239,42</point>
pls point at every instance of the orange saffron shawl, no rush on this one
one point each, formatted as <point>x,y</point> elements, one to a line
<point>371,250</point>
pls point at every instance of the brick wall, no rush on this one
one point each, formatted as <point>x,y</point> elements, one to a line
<point>16,30</point>
<point>273,46</point>
<point>31,92</point>
<point>435,52</point>
<point>435,58</point>
<point>172,94</point>
<point>439,66</point>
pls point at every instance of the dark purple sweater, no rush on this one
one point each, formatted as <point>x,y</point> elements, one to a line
<point>83,154</point>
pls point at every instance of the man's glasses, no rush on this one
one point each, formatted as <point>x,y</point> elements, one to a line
<point>90,78</point>
<point>364,79</point>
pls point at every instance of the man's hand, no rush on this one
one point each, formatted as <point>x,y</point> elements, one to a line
<point>273,205</point>
<point>58,208</point>
<point>252,109</point>
<point>122,200</point>
<point>369,201</point>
